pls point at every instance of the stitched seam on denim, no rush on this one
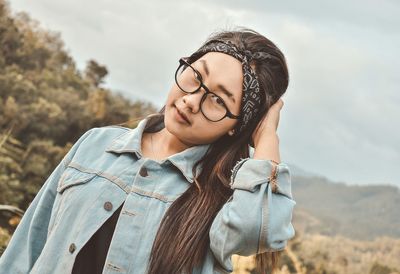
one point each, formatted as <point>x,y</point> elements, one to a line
<point>129,213</point>
<point>61,184</point>
<point>150,194</point>
<point>115,267</point>
<point>236,168</point>
<point>116,180</point>
<point>263,238</point>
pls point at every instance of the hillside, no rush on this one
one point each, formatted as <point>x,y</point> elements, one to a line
<point>357,212</point>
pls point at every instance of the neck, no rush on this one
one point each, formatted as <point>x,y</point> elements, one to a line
<point>166,144</point>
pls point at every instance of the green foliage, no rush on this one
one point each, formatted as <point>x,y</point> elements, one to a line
<point>46,104</point>
<point>95,72</point>
<point>380,269</point>
<point>4,239</point>
<point>338,254</point>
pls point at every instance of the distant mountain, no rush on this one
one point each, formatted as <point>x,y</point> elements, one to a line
<point>297,171</point>
<point>357,212</point>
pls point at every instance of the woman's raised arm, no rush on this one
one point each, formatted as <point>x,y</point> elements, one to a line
<point>257,217</point>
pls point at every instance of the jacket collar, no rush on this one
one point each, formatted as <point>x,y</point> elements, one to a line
<point>130,142</point>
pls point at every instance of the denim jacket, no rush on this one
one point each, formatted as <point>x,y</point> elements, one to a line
<point>105,168</point>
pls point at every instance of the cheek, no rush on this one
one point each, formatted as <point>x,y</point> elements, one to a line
<point>210,131</point>
<point>173,95</point>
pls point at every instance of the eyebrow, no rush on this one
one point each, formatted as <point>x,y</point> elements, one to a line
<point>219,86</point>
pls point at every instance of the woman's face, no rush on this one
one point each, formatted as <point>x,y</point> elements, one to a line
<point>223,70</point>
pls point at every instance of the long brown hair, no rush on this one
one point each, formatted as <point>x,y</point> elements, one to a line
<point>185,226</point>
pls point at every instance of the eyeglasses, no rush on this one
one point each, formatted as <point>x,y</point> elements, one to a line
<point>189,80</point>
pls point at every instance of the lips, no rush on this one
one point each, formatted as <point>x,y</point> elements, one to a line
<point>182,115</point>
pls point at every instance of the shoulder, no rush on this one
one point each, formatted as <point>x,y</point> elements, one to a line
<point>103,134</point>
<point>95,141</point>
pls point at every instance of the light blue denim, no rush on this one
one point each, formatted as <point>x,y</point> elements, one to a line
<point>103,167</point>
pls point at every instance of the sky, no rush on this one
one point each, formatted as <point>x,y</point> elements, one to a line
<point>339,115</point>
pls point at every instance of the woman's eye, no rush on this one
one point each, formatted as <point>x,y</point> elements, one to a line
<point>217,100</point>
<point>195,77</point>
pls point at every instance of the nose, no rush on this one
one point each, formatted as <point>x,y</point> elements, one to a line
<point>192,100</point>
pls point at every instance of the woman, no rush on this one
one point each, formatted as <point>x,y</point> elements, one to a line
<point>184,190</point>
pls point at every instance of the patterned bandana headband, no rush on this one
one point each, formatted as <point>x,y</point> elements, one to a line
<point>252,96</point>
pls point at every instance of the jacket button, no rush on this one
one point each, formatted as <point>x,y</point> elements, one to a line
<point>143,172</point>
<point>72,248</point>
<point>108,206</point>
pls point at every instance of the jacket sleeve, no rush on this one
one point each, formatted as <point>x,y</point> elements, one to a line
<point>30,235</point>
<point>257,217</point>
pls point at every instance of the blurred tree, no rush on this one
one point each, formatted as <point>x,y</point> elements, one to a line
<point>380,269</point>
<point>95,72</point>
<point>46,104</point>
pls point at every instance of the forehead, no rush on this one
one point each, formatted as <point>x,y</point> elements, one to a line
<point>224,70</point>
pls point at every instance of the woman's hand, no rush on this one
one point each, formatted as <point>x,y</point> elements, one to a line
<point>265,139</point>
<point>268,124</point>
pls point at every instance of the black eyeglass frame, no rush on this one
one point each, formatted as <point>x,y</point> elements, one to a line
<point>183,61</point>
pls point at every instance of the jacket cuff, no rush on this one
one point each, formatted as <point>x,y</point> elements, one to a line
<point>248,173</point>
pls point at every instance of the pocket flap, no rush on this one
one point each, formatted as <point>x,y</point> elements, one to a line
<point>72,177</point>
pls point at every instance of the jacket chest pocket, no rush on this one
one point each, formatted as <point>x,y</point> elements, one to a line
<point>73,177</point>
<point>71,194</point>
